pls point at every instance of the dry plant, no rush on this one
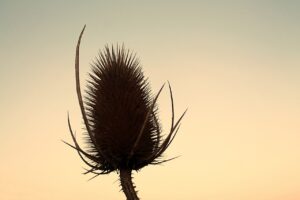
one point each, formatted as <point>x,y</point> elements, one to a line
<point>120,117</point>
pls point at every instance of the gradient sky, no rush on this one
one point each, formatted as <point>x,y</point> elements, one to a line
<point>234,64</point>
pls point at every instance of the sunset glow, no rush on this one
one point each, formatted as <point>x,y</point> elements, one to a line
<point>234,64</point>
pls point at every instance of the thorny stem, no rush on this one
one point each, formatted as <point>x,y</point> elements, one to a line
<point>127,185</point>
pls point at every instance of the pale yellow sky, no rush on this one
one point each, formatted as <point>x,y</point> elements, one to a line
<point>234,64</point>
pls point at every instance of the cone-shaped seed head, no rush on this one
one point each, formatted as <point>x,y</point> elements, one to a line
<point>117,103</point>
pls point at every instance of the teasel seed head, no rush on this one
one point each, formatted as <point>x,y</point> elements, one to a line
<point>120,115</point>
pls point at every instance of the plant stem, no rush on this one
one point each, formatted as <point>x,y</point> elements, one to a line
<point>127,185</point>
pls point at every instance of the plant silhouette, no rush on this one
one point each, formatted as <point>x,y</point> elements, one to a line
<point>120,117</point>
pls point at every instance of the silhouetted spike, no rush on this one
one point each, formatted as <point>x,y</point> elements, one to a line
<point>77,145</point>
<point>92,170</point>
<point>163,161</point>
<point>172,104</point>
<point>165,143</point>
<point>78,85</point>
<point>94,177</point>
<point>174,135</point>
<point>79,153</point>
<point>145,122</point>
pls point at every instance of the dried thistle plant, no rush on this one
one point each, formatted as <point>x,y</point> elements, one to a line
<point>120,117</point>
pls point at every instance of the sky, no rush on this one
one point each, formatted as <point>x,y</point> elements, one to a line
<point>234,64</point>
